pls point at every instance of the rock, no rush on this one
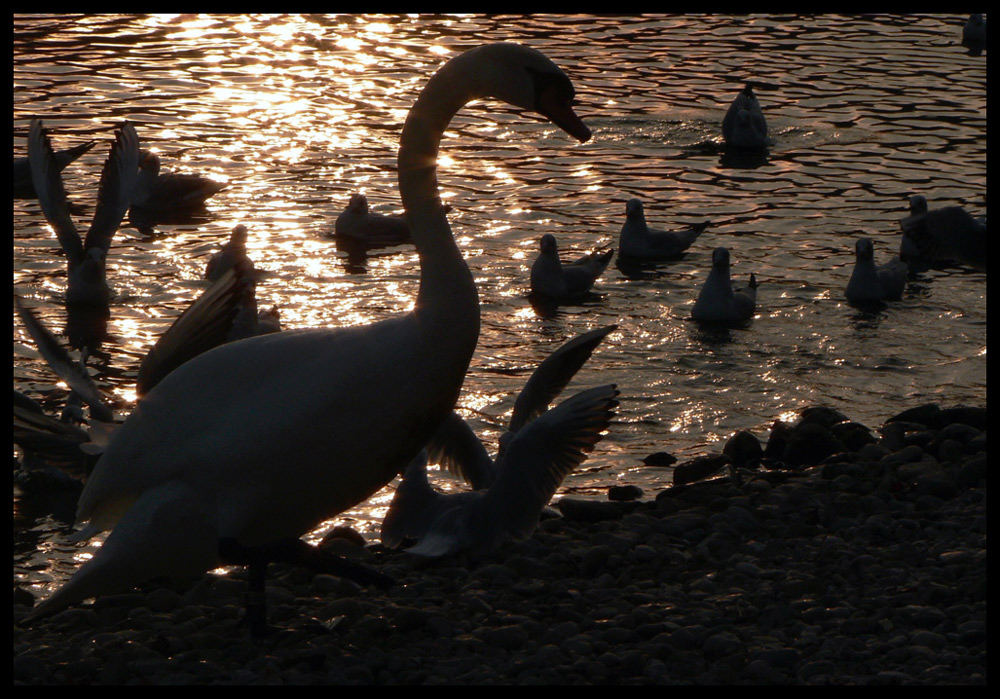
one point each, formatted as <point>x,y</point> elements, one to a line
<point>743,449</point>
<point>588,510</point>
<point>699,468</point>
<point>975,417</point>
<point>821,415</point>
<point>927,415</point>
<point>960,432</point>
<point>341,534</point>
<point>853,435</point>
<point>624,492</point>
<point>660,458</point>
<point>810,443</point>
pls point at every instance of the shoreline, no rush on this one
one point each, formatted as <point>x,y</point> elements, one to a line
<point>868,567</point>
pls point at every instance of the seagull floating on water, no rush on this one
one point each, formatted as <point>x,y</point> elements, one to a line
<point>942,236</point>
<point>554,281</point>
<point>873,284</point>
<point>638,241</point>
<point>718,302</point>
<point>974,34</point>
<point>744,125</point>
<point>357,225</point>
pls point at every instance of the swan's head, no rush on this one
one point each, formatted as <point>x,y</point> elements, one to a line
<point>548,244</point>
<point>863,249</point>
<point>149,162</point>
<point>239,235</point>
<point>918,204</point>
<point>358,204</point>
<point>527,78</point>
<point>633,207</point>
<point>720,259</point>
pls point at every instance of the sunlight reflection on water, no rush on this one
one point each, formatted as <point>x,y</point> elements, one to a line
<point>296,113</point>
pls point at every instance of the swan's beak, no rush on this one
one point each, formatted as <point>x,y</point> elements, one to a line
<point>559,111</point>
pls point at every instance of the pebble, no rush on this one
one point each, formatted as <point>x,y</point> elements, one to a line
<point>864,568</point>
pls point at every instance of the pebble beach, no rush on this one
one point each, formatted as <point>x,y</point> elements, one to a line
<point>825,553</point>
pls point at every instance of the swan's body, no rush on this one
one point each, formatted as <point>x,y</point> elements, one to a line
<point>282,431</point>
<point>974,34</point>
<point>167,192</point>
<point>718,302</point>
<point>415,506</point>
<point>24,187</point>
<point>871,283</point>
<point>744,125</point>
<point>942,236</point>
<point>233,253</point>
<point>553,280</point>
<point>535,461</point>
<point>86,282</point>
<point>637,241</point>
<point>357,225</point>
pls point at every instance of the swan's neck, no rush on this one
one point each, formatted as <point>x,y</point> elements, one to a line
<point>447,291</point>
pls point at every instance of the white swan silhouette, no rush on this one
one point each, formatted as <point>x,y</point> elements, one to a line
<point>717,301</point>
<point>871,283</point>
<point>252,444</point>
<point>638,241</point>
<point>555,281</point>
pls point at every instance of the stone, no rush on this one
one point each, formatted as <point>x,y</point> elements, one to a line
<point>699,468</point>
<point>624,492</point>
<point>743,449</point>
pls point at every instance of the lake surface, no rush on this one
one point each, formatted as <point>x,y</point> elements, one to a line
<point>297,113</point>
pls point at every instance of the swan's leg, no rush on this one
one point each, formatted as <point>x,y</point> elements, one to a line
<point>293,551</point>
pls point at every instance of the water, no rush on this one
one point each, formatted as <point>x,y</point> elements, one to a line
<point>296,113</point>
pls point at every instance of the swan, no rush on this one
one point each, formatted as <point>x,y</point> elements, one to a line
<point>718,302</point>
<point>233,252</point>
<point>552,280</point>
<point>744,125</point>
<point>279,432</point>
<point>86,282</point>
<point>974,34</point>
<point>357,225</point>
<point>457,448</point>
<point>536,460</point>
<point>166,192</point>
<point>873,284</point>
<point>941,236</point>
<point>639,242</point>
<point>24,187</point>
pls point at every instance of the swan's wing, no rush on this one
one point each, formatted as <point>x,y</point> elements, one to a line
<point>203,325</point>
<point>46,177</point>
<point>456,448</point>
<point>62,364</point>
<point>552,375</point>
<point>539,457</point>
<point>121,170</point>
